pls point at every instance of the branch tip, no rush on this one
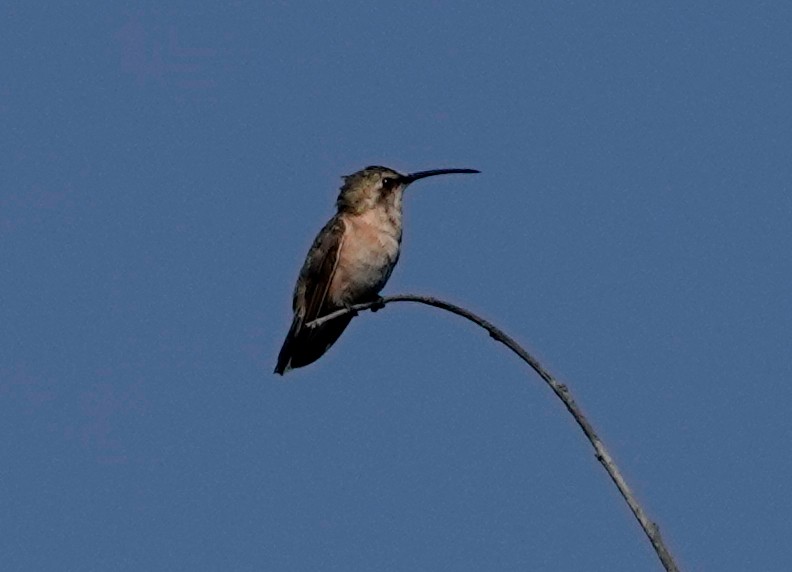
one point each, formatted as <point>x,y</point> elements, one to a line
<point>651,530</point>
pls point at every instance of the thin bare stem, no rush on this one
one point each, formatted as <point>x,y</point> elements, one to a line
<point>651,530</point>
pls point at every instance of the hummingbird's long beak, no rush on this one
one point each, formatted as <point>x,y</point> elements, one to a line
<point>412,177</point>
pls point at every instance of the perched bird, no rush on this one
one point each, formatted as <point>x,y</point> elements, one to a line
<point>350,260</point>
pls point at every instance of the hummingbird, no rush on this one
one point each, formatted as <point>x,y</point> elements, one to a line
<point>350,260</point>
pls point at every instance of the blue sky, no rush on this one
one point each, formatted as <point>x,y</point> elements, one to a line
<point>164,170</point>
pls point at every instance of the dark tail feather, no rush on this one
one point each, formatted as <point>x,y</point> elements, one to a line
<point>284,357</point>
<point>306,345</point>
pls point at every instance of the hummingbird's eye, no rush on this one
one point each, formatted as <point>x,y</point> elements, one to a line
<point>388,183</point>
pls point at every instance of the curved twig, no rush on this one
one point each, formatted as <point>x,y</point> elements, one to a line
<point>651,530</point>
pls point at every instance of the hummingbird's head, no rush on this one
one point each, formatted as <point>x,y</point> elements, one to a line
<point>377,186</point>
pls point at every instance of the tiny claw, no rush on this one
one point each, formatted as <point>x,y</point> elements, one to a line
<point>378,304</point>
<point>351,310</point>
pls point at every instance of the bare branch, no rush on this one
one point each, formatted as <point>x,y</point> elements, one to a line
<point>650,528</point>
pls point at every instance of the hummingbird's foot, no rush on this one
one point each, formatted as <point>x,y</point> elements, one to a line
<point>351,310</point>
<point>378,304</point>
